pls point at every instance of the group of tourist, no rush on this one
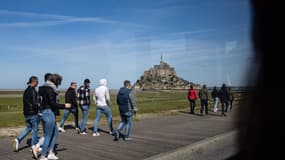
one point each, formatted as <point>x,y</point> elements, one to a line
<point>43,106</point>
<point>225,95</point>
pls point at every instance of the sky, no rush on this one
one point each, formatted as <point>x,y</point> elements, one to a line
<point>208,42</point>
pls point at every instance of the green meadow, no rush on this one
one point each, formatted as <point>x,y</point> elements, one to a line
<point>147,102</point>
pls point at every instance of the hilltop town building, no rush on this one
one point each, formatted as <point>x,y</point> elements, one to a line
<point>163,77</point>
<point>163,69</point>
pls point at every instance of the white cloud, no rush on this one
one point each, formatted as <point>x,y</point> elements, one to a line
<point>192,32</point>
<point>31,24</point>
<point>52,19</point>
<point>128,58</point>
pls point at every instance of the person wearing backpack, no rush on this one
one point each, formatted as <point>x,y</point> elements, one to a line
<point>203,95</point>
<point>192,97</point>
<point>127,108</point>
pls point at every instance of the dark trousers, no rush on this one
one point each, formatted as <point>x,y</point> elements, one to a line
<point>204,103</point>
<point>67,112</point>
<point>223,106</point>
<point>192,106</point>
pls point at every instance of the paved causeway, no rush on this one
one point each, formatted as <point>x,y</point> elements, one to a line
<point>151,137</point>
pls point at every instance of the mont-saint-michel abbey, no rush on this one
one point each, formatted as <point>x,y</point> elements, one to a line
<point>162,77</point>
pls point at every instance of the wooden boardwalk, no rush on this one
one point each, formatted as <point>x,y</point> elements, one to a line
<point>151,137</point>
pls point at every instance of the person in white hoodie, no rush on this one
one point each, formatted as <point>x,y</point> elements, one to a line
<point>103,102</point>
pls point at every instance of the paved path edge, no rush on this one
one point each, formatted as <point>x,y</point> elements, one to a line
<point>199,149</point>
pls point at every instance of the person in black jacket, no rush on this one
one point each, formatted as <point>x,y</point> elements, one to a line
<point>50,109</point>
<point>30,110</point>
<point>224,97</point>
<point>70,97</point>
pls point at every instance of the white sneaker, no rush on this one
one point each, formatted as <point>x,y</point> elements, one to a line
<point>83,133</point>
<point>35,151</point>
<point>61,130</point>
<point>16,145</point>
<point>51,156</point>
<point>40,149</point>
<point>43,158</point>
<point>128,139</point>
<point>96,134</point>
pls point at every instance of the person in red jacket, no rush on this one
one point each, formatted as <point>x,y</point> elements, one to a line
<point>192,96</point>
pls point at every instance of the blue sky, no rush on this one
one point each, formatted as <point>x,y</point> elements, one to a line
<point>208,42</point>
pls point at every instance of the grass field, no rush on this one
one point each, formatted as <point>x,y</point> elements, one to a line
<point>147,102</point>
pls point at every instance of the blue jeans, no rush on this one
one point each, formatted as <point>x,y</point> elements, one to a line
<point>50,131</point>
<point>32,123</point>
<point>99,111</point>
<point>126,120</point>
<point>66,114</point>
<point>216,102</point>
<point>85,111</point>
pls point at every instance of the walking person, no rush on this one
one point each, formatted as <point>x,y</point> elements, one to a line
<point>224,97</point>
<point>231,98</point>
<point>103,103</point>
<point>192,97</point>
<point>203,95</point>
<point>40,143</point>
<point>30,111</point>
<point>50,109</point>
<point>83,94</point>
<point>70,97</point>
<point>127,108</point>
<point>215,98</point>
